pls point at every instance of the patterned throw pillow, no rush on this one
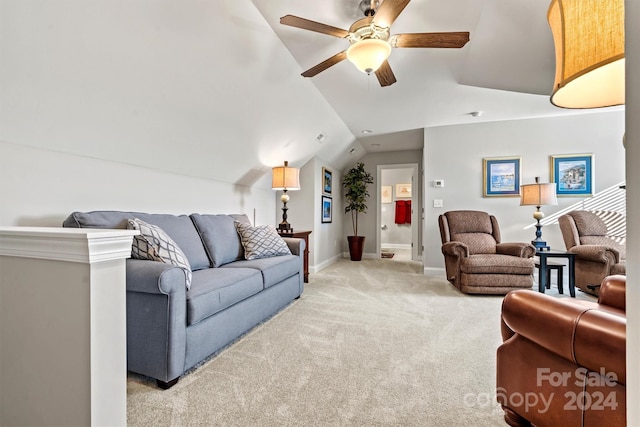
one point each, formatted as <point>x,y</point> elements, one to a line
<point>154,244</point>
<point>261,242</point>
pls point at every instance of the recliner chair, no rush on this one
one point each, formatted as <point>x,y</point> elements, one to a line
<point>476,261</point>
<point>599,253</point>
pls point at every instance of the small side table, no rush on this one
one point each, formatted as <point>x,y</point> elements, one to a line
<point>543,275</point>
<point>558,267</point>
<point>304,235</point>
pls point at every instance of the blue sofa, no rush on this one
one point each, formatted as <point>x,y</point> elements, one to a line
<point>171,329</point>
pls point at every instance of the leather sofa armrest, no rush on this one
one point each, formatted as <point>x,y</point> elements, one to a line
<point>613,292</point>
<point>597,253</point>
<point>456,249</point>
<point>591,338</point>
<point>296,246</point>
<point>153,277</point>
<point>522,250</point>
<point>547,321</point>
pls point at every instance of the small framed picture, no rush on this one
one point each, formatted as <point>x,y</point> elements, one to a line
<point>327,207</point>
<point>573,174</point>
<point>386,195</point>
<point>327,181</point>
<point>403,191</point>
<point>501,177</point>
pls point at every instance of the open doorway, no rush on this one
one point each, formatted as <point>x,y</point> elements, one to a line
<point>398,212</point>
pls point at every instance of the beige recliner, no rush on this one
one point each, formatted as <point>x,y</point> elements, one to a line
<point>476,262</point>
<point>599,252</point>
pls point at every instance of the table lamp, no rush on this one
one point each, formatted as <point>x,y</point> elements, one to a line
<point>538,195</point>
<point>285,178</point>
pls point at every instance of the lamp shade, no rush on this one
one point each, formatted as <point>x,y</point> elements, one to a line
<point>589,42</point>
<point>285,177</point>
<point>369,54</point>
<point>538,194</point>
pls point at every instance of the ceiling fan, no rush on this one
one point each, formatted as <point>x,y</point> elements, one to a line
<point>371,41</point>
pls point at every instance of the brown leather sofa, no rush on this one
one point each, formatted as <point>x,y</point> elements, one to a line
<point>562,362</point>
<point>476,261</point>
<point>599,252</point>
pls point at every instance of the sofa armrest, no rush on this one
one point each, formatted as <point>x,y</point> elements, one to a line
<point>156,319</point>
<point>153,277</point>
<point>597,253</point>
<point>296,246</point>
<point>522,250</point>
<point>545,320</point>
<point>456,249</point>
<point>613,292</point>
<point>592,338</point>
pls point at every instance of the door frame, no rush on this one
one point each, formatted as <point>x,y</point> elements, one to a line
<point>415,209</point>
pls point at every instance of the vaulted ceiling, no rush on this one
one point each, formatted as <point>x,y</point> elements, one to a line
<point>505,71</point>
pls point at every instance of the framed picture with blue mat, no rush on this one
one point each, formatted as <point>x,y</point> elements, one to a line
<point>501,177</point>
<point>327,208</point>
<point>573,174</point>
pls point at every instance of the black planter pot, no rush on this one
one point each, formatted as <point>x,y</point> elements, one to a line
<point>356,247</point>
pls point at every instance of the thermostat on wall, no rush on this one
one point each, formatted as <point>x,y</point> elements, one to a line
<point>438,183</point>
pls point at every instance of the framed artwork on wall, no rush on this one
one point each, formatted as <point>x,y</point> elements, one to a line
<point>573,174</point>
<point>327,181</point>
<point>386,195</point>
<point>403,191</point>
<point>327,208</point>
<point>501,176</point>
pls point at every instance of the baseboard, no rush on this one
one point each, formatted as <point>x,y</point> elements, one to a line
<point>366,255</point>
<point>324,264</point>
<point>396,245</point>
<point>434,272</point>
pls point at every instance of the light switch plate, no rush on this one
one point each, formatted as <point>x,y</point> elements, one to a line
<point>437,203</point>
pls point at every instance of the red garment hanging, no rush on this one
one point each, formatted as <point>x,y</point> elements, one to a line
<point>401,212</point>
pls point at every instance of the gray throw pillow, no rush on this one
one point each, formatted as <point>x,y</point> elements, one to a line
<point>155,245</point>
<point>261,242</point>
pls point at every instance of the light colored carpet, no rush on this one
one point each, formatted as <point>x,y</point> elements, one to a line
<point>368,343</point>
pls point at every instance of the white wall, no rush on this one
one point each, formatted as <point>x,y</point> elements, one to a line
<point>42,187</point>
<point>394,234</point>
<point>205,89</point>
<point>455,154</point>
<point>305,213</point>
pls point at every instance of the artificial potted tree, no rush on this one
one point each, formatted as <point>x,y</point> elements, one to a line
<point>355,183</point>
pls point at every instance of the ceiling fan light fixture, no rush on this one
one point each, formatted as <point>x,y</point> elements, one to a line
<point>369,54</point>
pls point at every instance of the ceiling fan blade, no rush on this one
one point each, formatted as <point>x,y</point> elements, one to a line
<point>305,24</point>
<point>385,75</point>
<point>325,64</point>
<point>446,40</point>
<point>388,12</point>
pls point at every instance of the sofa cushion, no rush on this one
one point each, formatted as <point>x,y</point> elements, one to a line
<point>469,222</point>
<point>179,227</point>
<point>589,223</point>
<point>220,238</point>
<point>273,269</point>
<point>154,244</point>
<point>496,264</point>
<point>478,243</point>
<point>214,289</point>
<point>261,242</point>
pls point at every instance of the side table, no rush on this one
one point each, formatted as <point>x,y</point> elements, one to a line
<point>304,235</point>
<point>543,275</point>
